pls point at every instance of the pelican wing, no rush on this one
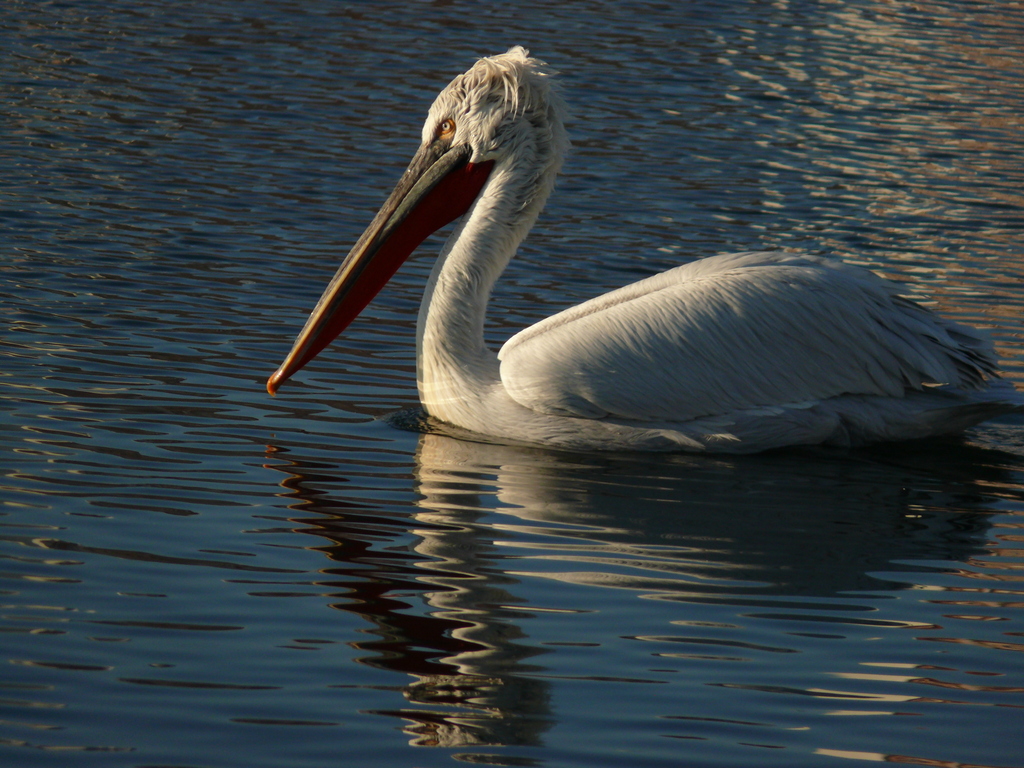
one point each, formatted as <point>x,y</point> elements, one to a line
<point>735,332</point>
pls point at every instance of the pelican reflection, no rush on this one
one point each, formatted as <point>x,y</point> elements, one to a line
<point>449,584</point>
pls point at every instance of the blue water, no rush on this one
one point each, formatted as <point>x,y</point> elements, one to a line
<point>195,574</point>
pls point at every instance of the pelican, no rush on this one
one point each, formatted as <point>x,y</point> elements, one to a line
<point>734,353</point>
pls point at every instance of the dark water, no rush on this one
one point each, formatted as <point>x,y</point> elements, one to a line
<point>195,574</point>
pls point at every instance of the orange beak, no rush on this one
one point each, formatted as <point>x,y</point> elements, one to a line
<point>438,187</point>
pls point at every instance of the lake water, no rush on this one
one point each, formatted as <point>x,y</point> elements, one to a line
<point>195,574</point>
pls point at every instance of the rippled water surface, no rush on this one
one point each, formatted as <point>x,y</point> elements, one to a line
<point>195,574</point>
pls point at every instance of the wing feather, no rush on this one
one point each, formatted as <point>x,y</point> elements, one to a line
<point>735,332</point>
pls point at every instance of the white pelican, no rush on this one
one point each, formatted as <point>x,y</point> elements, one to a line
<point>735,353</point>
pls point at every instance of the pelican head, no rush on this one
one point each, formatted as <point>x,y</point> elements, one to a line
<point>503,107</point>
<point>502,119</point>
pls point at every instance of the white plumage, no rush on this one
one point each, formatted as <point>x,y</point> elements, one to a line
<point>737,353</point>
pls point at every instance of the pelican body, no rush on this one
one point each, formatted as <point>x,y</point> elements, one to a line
<point>734,353</point>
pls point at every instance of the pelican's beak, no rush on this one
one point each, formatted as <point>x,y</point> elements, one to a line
<point>438,187</point>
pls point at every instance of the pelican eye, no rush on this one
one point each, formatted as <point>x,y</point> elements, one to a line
<point>446,129</point>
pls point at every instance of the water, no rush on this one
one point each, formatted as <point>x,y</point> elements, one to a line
<point>195,574</point>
